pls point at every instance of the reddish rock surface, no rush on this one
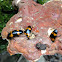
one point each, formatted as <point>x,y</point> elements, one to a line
<point>41,18</point>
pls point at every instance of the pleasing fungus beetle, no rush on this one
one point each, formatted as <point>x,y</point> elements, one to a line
<point>27,32</point>
<point>53,35</point>
<point>14,33</point>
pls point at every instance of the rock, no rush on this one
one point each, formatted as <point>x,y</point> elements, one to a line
<point>5,57</point>
<point>53,58</point>
<point>40,18</point>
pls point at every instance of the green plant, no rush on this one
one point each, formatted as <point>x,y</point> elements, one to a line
<point>42,1</point>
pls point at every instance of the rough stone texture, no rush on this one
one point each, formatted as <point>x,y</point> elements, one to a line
<point>41,18</point>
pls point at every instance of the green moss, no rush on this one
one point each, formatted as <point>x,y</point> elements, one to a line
<point>6,12</point>
<point>42,1</point>
<point>3,45</point>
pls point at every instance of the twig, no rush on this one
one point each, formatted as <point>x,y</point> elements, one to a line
<point>19,60</point>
